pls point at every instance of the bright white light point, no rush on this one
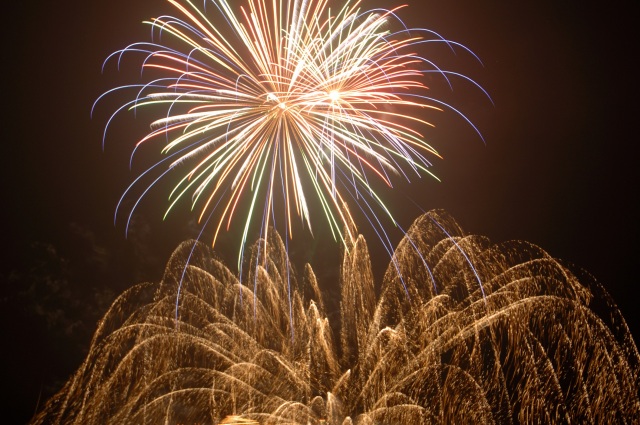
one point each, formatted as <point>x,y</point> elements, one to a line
<point>334,95</point>
<point>272,97</point>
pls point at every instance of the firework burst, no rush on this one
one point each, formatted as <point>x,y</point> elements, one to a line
<point>543,343</point>
<point>278,102</point>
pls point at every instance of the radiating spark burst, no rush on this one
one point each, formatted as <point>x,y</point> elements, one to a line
<point>282,101</point>
<point>542,345</point>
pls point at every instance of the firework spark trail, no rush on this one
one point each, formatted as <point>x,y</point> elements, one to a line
<point>274,101</point>
<point>542,344</point>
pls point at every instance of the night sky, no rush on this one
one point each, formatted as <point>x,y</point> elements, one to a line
<point>557,166</point>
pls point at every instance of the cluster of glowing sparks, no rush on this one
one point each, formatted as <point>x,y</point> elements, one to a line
<point>539,345</point>
<point>281,100</point>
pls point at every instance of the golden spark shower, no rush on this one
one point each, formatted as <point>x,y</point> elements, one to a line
<point>277,102</point>
<point>543,344</point>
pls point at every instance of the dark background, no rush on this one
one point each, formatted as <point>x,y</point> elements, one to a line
<point>558,167</point>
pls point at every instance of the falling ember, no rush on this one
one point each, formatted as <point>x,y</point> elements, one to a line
<point>532,349</point>
<point>237,420</point>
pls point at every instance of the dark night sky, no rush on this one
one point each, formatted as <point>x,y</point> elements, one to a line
<point>558,167</point>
